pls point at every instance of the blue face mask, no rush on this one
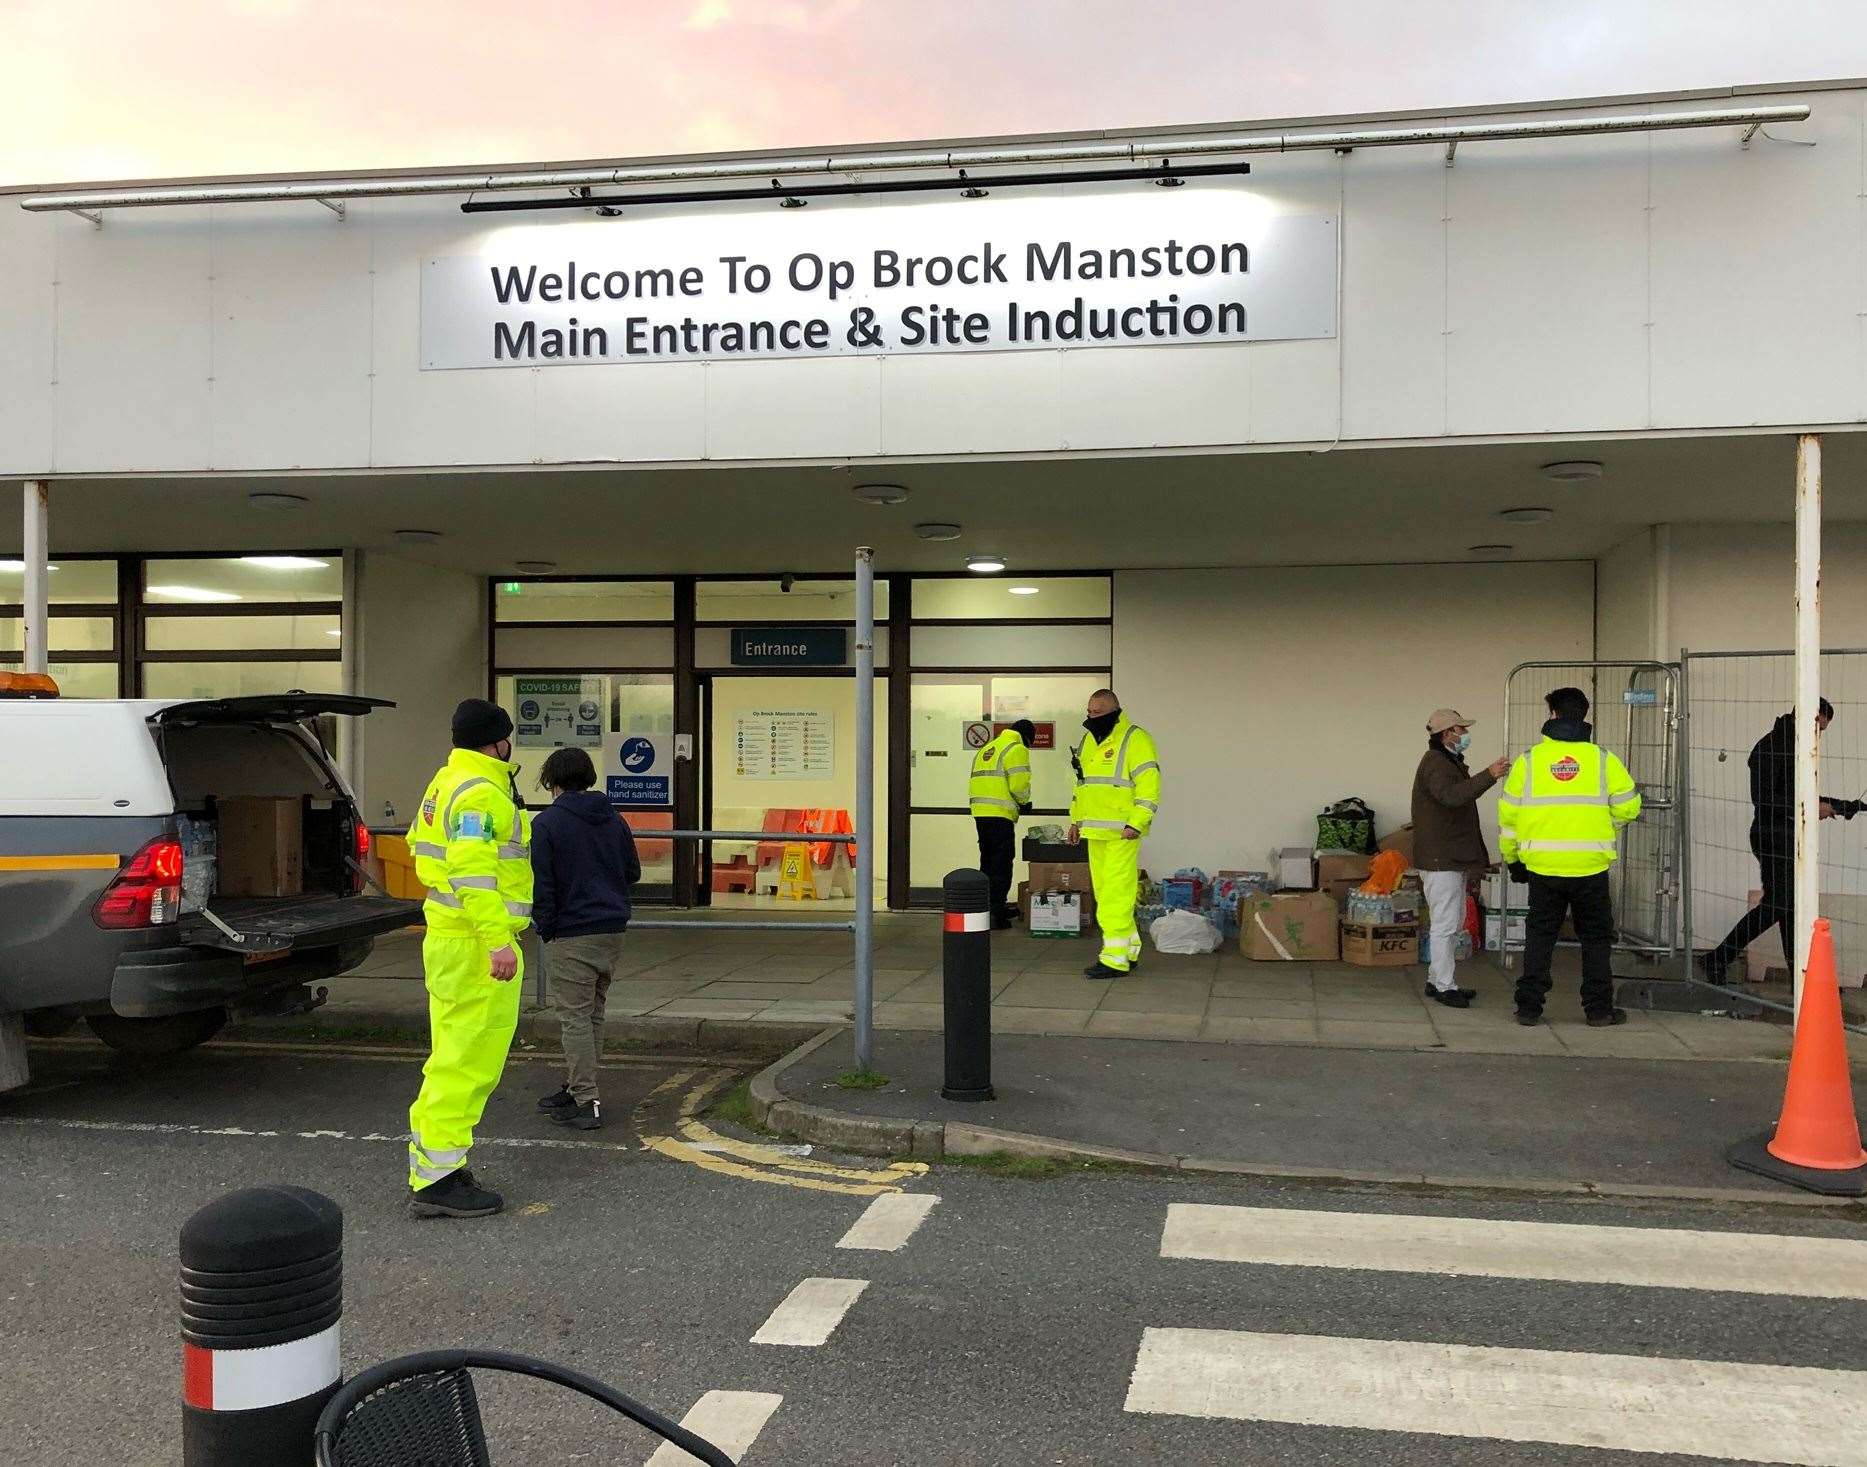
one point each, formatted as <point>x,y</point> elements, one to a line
<point>1462,743</point>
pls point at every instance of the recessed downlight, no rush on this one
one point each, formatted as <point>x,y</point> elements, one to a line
<point>1491,550</point>
<point>881,493</point>
<point>417,537</point>
<point>1527,514</point>
<point>1572,470</point>
<point>274,499</point>
<point>934,530</point>
<point>1024,590</point>
<point>985,565</point>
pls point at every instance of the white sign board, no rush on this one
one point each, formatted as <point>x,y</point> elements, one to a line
<point>553,712</point>
<point>785,745</point>
<point>1107,266</point>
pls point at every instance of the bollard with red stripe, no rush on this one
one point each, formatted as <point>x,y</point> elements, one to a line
<point>262,1290</point>
<point>966,955</point>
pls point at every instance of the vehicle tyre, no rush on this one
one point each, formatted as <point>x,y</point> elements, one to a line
<point>149,1038</point>
<point>50,1024</point>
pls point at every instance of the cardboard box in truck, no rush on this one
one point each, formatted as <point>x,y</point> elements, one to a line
<point>262,846</point>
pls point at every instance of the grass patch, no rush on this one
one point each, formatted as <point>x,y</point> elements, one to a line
<point>735,1107</point>
<point>861,1080</point>
<point>1032,1168</point>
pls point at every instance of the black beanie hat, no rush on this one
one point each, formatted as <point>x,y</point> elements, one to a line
<point>478,723</point>
<point>1025,730</point>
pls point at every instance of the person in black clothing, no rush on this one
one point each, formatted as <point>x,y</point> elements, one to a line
<point>583,867</point>
<point>1773,841</point>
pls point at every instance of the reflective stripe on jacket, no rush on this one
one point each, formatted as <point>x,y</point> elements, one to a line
<point>1001,777</point>
<point>1562,808</point>
<point>472,849</point>
<point>1119,784</point>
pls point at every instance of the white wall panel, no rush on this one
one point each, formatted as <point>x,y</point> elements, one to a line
<point>628,414</point>
<point>1394,287</point>
<point>1546,273</point>
<point>28,302</point>
<point>135,351</point>
<point>1010,401</point>
<point>794,409</point>
<point>1149,396</point>
<point>291,303</point>
<point>1294,391</point>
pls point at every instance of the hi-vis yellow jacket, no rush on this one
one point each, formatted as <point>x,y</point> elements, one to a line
<point>472,849</point>
<point>1562,808</point>
<point>1001,778</point>
<point>1119,784</point>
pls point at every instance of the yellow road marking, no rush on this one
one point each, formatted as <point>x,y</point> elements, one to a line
<point>704,1135</point>
<point>681,1151</point>
<point>95,861</point>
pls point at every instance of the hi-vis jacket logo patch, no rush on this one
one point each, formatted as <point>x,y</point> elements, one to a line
<point>427,810</point>
<point>1565,768</point>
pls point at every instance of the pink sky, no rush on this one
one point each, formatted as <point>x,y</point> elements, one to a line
<point>116,89</point>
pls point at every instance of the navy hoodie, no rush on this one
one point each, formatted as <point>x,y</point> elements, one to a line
<point>583,865</point>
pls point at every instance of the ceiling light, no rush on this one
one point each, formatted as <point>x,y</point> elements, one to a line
<point>18,567</point>
<point>332,632</point>
<point>273,499</point>
<point>418,537</point>
<point>537,567</point>
<point>936,531</point>
<point>285,562</point>
<point>1490,549</point>
<point>1529,514</point>
<point>1570,471</point>
<point>881,493</point>
<point>191,593</point>
<point>985,565</point>
<point>1023,590</point>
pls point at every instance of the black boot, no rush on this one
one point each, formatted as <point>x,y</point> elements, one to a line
<point>585,1117</point>
<point>1607,1020</point>
<point>1098,970</point>
<point>455,1195</point>
<point>558,1099</point>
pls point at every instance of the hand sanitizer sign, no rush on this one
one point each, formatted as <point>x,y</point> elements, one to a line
<point>638,770</point>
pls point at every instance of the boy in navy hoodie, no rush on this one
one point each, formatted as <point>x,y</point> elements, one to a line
<point>583,866</point>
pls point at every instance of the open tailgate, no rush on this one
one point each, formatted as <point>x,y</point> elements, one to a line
<point>272,925</point>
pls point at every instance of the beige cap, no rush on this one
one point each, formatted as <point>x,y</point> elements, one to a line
<point>1445,718</point>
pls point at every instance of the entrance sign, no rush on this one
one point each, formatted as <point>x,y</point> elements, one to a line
<point>790,646</point>
<point>1104,265</point>
<point>638,770</point>
<point>557,711</point>
<point>785,745</point>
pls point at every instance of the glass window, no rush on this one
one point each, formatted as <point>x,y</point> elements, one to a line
<point>943,704</point>
<point>239,679</point>
<point>317,632</point>
<point>229,580</point>
<point>69,634</point>
<point>1010,597</point>
<point>77,679</point>
<point>583,601</point>
<point>750,602</point>
<point>70,581</point>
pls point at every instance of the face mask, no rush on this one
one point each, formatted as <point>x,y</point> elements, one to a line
<point>1461,743</point>
<point>1100,724</point>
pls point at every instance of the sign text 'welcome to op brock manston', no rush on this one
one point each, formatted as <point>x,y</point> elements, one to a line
<point>1153,267</point>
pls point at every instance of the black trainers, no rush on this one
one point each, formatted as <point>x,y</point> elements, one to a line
<point>1529,1017</point>
<point>1712,970</point>
<point>455,1195</point>
<point>1098,970</point>
<point>558,1099</point>
<point>585,1117</point>
<point>1002,923</point>
<point>1452,998</point>
<point>1607,1020</point>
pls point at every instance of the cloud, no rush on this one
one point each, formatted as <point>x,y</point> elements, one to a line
<point>708,15</point>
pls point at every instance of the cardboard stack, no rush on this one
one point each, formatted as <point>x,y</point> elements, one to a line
<point>1340,872</point>
<point>1289,927</point>
<point>1042,898</point>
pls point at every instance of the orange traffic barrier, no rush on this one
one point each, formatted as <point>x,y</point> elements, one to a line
<point>1817,1141</point>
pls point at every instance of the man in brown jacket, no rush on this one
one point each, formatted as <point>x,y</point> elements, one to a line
<point>1448,842</point>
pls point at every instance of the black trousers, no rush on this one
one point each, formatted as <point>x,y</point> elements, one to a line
<point>998,846</point>
<point>1776,909</point>
<point>1591,901</point>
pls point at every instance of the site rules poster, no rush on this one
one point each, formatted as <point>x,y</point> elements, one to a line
<point>553,712</point>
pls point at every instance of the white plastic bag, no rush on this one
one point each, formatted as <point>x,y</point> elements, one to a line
<point>1183,932</point>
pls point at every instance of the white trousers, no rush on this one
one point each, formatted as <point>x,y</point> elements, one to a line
<point>1445,901</point>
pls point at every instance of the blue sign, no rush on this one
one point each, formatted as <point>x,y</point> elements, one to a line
<point>640,791</point>
<point>790,646</point>
<point>638,754</point>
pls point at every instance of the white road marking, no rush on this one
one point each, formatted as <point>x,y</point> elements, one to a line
<point>1665,1258</point>
<point>1700,1408</point>
<point>889,1221</point>
<point>731,1420</point>
<point>163,1128</point>
<point>811,1312</point>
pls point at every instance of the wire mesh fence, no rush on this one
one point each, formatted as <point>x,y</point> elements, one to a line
<point>1740,772</point>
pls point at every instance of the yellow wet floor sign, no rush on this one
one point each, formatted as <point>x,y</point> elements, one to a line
<point>796,881</point>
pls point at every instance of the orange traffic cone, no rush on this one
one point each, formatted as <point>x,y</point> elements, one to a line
<point>1817,1142</point>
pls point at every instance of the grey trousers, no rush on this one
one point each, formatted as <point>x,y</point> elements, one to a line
<point>579,970</point>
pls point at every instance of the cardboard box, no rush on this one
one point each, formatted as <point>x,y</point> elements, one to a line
<point>1059,875</point>
<point>1295,868</point>
<point>1034,849</point>
<point>1400,840</point>
<point>1086,900</point>
<point>1057,914</point>
<point>262,847</point>
<point>1502,925</point>
<point>1500,893</point>
<point>1289,927</point>
<point>1371,945</point>
<point>1340,872</point>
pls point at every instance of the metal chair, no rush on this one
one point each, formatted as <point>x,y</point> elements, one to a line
<point>421,1411</point>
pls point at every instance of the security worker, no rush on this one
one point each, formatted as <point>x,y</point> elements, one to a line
<point>472,847</point>
<point>1000,791</point>
<point>1559,819</point>
<point>1117,797</point>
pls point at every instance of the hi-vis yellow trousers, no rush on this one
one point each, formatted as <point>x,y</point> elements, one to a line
<point>1115,875</point>
<point>471,1020</point>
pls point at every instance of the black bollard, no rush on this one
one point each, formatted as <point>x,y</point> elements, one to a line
<point>262,1282</point>
<point>966,954</point>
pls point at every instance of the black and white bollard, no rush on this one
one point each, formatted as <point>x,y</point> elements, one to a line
<point>966,956</point>
<point>262,1284</point>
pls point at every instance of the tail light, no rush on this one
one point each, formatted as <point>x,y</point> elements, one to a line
<point>147,892</point>
<point>361,840</point>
